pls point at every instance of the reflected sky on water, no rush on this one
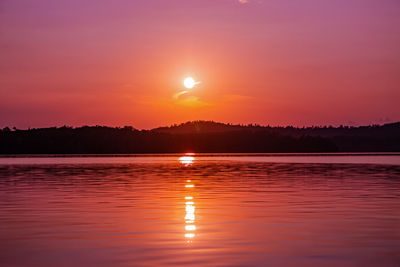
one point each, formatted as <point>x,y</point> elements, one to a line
<point>190,211</point>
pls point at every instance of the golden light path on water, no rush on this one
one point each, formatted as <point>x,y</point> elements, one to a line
<point>187,160</point>
<point>190,208</point>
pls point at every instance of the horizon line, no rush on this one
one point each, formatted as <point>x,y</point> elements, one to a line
<point>205,121</point>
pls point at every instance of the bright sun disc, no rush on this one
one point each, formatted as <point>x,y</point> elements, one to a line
<point>189,83</point>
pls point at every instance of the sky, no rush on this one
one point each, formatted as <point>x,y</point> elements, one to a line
<point>271,62</point>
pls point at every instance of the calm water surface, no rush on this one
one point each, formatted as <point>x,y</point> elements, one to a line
<point>200,211</point>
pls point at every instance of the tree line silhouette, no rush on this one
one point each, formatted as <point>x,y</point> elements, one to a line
<point>200,136</point>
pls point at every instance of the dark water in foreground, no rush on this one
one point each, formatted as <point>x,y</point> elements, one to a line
<point>198,211</point>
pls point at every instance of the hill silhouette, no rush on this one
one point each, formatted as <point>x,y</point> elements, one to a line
<point>200,136</point>
<point>191,127</point>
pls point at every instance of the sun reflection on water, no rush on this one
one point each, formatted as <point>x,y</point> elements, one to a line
<point>190,219</point>
<point>187,160</point>
<point>190,208</point>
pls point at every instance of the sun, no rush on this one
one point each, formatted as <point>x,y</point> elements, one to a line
<point>189,83</point>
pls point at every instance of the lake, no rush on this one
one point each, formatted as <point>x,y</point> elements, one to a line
<point>200,210</point>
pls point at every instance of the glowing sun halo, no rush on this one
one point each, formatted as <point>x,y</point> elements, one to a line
<point>189,82</point>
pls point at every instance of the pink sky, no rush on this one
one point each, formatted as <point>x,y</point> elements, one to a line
<point>277,62</point>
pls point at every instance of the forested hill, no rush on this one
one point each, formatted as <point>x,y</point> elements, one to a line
<point>200,136</point>
<point>392,129</point>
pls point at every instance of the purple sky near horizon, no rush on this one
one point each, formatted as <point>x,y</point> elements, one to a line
<point>276,62</point>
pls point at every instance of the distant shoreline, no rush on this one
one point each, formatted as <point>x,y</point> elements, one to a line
<point>200,137</point>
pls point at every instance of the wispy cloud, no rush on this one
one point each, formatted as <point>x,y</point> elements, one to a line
<point>177,95</point>
<point>193,101</point>
<point>244,1</point>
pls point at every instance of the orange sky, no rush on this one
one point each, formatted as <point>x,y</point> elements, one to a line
<point>271,62</point>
